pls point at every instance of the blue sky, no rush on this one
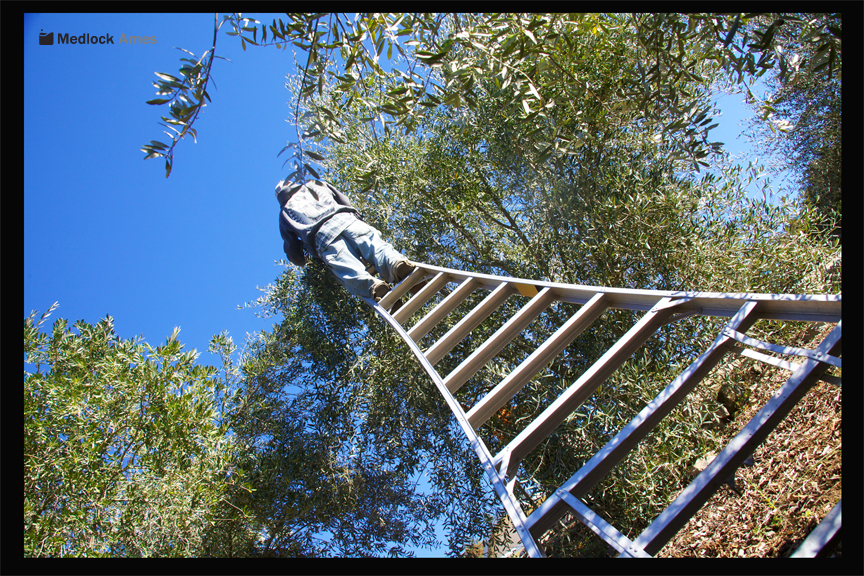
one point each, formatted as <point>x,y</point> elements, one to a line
<point>106,233</point>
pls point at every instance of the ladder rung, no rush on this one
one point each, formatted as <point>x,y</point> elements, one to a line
<point>443,309</point>
<point>469,322</point>
<point>499,340</point>
<point>421,297</point>
<point>599,526</point>
<point>541,357</point>
<point>558,411</point>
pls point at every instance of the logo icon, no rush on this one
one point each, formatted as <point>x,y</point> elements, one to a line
<point>46,39</point>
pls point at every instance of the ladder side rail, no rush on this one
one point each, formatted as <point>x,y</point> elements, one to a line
<point>788,350</point>
<point>536,361</point>
<point>667,524</point>
<point>817,308</point>
<point>447,305</point>
<point>486,351</point>
<point>469,322</point>
<point>544,517</point>
<point>814,313</point>
<point>511,505</point>
<point>774,361</point>
<point>797,307</point>
<point>823,537</point>
<point>585,385</point>
<point>419,299</point>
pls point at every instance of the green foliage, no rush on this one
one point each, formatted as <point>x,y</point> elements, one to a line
<point>529,57</point>
<point>186,99</point>
<point>339,424</point>
<point>122,454</point>
<point>800,122</point>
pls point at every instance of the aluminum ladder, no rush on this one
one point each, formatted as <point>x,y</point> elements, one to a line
<point>660,307</point>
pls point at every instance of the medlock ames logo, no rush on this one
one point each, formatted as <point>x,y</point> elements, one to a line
<point>47,39</point>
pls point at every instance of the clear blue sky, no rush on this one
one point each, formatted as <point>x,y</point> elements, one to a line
<point>105,232</point>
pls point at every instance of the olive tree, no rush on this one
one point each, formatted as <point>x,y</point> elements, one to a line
<point>439,59</point>
<point>563,147</point>
<point>123,453</point>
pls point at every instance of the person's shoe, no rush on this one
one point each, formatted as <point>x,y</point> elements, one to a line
<point>417,287</point>
<point>378,290</point>
<point>403,269</point>
<point>396,306</point>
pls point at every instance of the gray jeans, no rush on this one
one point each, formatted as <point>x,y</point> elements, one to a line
<point>356,243</point>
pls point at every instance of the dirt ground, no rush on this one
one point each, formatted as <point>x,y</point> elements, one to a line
<point>795,481</point>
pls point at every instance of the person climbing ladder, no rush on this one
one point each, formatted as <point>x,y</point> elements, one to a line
<point>319,217</point>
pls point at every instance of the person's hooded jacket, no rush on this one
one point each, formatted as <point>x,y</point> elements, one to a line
<point>313,214</point>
